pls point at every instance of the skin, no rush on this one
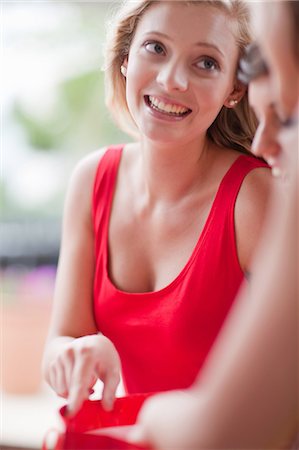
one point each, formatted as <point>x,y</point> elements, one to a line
<point>162,190</point>
<point>278,51</point>
<point>251,376</point>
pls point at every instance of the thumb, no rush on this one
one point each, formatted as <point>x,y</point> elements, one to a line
<point>137,435</point>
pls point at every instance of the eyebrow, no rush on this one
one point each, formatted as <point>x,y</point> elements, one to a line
<point>198,44</point>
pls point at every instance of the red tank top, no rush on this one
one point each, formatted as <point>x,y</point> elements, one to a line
<point>163,337</point>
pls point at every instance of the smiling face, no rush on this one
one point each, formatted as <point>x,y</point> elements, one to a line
<point>180,70</point>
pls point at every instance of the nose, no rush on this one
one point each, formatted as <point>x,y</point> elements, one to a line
<point>173,76</point>
<point>265,143</point>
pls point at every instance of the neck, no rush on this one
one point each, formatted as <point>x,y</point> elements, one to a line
<point>170,172</point>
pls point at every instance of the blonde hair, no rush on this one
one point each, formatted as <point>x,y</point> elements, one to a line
<point>233,127</point>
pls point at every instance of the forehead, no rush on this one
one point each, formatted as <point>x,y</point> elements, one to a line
<point>271,24</point>
<point>188,24</point>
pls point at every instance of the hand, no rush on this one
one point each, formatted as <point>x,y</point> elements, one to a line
<point>82,361</point>
<point>167,420</point>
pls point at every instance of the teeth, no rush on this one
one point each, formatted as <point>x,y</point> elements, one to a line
<point>166,107</point>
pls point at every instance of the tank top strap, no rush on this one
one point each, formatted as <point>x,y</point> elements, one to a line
<point>104,184</point>
<point>232,181</point>
<point>218,240</point>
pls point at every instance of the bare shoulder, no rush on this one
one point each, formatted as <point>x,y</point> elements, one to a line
<point>85,169</point>
<point>81,183</point>
<point>255,190</point>
<point>250,212</point>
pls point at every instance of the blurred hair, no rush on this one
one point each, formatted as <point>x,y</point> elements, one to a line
<point>233,127</point>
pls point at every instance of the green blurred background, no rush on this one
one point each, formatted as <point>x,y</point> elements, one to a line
<point>53,113</point>
<point>53,100</point>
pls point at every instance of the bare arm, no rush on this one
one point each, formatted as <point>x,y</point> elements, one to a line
<point>247,395</point>
<point>72,314</point>
<point>75,355</point>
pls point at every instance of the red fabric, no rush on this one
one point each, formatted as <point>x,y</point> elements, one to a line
<point>81,431</point>
<point>163,337</point>
<point>93,416</point>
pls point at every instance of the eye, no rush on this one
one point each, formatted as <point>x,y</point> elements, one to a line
<point>285,121</point>
<point>207,63</point>
<point>289,122</point>
<point>154,47</point>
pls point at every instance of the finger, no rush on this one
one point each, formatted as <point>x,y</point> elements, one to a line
<point>69,366</point>
<point>111,382</point>
<point>61,384</point>
<point>54,380</point>
<point>51,376</point>
<point>81,382</point>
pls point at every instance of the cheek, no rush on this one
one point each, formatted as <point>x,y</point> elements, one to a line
<point>139,78</point>
<point>133,85</point>
<point>260,95</point>
<point>286,87</point>
<point>253,96</point>
<point>211,94</point>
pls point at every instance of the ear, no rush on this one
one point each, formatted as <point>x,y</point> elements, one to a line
<point>236,95</point>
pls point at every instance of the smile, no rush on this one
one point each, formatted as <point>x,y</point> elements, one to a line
<point>166,108</point>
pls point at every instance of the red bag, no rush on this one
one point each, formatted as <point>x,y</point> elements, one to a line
<point>86,430</point>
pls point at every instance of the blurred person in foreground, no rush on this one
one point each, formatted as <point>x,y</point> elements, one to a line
<point>246,396</point>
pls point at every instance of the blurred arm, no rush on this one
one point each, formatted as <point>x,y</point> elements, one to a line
<point>247,394</point>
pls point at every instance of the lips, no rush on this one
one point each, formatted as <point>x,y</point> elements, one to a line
<point>166,107</point>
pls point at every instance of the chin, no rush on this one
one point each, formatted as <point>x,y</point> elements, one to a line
<point>162,137</point>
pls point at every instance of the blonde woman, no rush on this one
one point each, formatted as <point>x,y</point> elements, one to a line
<point>159,233</point>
